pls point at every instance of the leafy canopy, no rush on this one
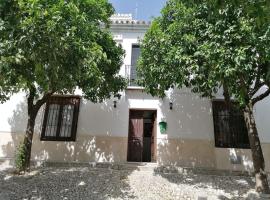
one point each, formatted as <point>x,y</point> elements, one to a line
<point>207,44</point>
<point>53,46</point>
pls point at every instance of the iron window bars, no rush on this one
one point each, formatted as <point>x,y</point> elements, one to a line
<point>229,126</point>
<point>61,118</point>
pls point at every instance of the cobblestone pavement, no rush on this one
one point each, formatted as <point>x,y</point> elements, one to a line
<point>90,183</point>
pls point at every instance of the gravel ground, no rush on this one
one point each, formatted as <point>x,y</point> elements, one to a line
<point>89,183</point>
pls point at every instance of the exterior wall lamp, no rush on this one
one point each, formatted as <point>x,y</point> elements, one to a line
<point>171,105</point>
<point>116,97</point>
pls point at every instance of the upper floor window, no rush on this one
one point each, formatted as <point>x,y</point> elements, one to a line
<point>60,118</point>
<point>131,71</point>
<point>229,126</point>
<point>135,54</point>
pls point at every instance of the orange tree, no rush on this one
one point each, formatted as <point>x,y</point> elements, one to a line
<point>55,46</point>
<point>208,44</point>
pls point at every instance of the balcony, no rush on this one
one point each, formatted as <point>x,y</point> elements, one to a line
<point>131,75</point>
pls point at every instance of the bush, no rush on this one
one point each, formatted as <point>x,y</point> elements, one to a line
<point>20,157</point>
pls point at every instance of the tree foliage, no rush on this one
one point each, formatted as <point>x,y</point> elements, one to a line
<point>206,44</point>
<point>211,44</point>
<point>55,46</point>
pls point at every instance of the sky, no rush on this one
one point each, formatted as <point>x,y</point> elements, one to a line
<point>140,9</point>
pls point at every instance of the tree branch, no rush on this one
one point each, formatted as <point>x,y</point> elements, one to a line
<point>258,83</point>
<point>258,77</point>
<point>256,88</point>
<point>261,96</point>
<point>43,100</point>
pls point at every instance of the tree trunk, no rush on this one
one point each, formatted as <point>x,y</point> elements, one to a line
<point>28,137</point>
<point>256,150</point>
<point>27,142</point>
<point>32,114</point>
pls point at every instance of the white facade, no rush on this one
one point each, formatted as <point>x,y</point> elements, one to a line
<point>102,133</point>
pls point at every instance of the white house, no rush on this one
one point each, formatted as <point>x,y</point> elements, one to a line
<point>128,129</point>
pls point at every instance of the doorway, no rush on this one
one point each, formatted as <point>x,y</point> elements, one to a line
<point>142,136</point>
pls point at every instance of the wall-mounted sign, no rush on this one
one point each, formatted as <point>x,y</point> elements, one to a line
<point>162,127</point>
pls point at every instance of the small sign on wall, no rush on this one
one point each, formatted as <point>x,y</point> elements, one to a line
<point>163,127</point>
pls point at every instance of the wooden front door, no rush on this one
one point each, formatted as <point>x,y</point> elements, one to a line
<point>135,136</point>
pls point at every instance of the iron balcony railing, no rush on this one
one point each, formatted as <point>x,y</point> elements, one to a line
<point>131,75</point>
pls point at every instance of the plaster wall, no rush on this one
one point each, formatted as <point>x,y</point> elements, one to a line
<point>103,130</point>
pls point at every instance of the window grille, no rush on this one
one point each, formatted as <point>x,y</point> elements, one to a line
<point>229,126</point>
<point>60,118</point>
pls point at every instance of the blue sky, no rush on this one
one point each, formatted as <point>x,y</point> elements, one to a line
<point>145,8</point>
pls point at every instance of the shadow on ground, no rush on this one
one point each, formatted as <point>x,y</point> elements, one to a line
<point>237,187</point>
<point>66,183</point>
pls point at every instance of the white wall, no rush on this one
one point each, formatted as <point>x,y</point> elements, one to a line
<point>127,39</point>
<point>262,118</point>
<point>13,115</point>
<point>9,111</point>
<point>191,117</point>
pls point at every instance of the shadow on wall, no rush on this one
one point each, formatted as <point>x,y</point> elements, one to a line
<point>234,159</point>
<point>189,139</point>
<point>87,148</point>
<point>186,153</point>
<point>11,140</point>
<point>190,117</point>
<point>103,119</point>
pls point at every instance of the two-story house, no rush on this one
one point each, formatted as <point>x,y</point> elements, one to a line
<point>182,129</point>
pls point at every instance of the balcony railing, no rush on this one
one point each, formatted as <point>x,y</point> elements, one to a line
<point>131,75</point>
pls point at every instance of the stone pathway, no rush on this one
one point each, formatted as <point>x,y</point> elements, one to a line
<point>91,183</point>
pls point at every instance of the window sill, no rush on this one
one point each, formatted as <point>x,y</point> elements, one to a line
<point>54,139</point>
<point>228,147</point>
